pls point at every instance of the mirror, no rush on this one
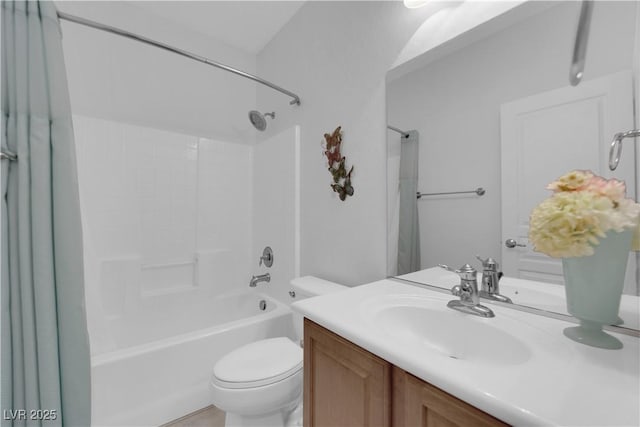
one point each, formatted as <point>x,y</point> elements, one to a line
<point>482,123</point>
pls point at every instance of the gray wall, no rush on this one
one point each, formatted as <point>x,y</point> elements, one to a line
<point>455,105</point>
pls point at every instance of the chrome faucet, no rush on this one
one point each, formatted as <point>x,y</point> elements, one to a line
<point>259,278</point>
<point>490,287</point>
<point>467,290</point>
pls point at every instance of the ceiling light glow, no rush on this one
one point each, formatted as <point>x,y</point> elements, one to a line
<point>414,4</point>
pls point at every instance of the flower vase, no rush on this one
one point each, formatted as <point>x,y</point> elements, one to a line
<point>593,286</point>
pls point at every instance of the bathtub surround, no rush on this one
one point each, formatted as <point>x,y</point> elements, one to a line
<point>45,345</point>
<point>276,210</point>
<point>167,222</point>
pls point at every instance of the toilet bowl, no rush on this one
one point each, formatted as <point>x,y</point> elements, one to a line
<point>260,383</point>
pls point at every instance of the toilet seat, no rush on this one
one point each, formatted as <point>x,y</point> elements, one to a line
<point>258,364</point>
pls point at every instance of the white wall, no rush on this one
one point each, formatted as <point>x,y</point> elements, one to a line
<point>454,103</point>
<point>166,221</point>
<point>335,56</point>
<point>116,78</point>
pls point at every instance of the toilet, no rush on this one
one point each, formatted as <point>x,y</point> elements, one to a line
<point>260,383</point>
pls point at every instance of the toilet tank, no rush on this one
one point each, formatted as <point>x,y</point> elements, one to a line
<point>309,287</point>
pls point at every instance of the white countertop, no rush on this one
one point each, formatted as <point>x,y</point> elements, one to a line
<point>560,382</point>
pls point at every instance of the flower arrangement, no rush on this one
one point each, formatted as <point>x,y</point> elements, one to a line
<point>583,208</point>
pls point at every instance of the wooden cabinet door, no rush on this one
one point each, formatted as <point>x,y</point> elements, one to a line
<point>417,403</point>
<point>344,385</point>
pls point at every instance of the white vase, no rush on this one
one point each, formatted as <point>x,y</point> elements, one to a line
<point>593,286</point>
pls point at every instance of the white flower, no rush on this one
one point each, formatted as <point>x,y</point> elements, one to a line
<point>580,212</point>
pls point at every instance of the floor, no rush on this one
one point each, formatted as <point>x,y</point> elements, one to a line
<point>205,417</point>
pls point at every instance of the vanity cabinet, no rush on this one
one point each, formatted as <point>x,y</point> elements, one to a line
<point>345,385</point>
<point>418,403</point>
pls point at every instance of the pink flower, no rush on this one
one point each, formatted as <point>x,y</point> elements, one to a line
<point>573,181</point>
<point>611,188</point>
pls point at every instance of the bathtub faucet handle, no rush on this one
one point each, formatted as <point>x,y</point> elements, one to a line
<point>267,257</point>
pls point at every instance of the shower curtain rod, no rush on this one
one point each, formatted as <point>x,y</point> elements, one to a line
<point>142,39</point>
<point>401,132</point>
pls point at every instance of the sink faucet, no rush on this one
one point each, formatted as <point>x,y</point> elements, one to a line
<point>259,278</point>
<point>490,287</point>
<point>467,290</point>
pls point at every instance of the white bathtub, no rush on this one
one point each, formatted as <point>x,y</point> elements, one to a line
<point>161,380</point>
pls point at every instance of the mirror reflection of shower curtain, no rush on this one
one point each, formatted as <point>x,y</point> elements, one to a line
<point>409,230</point>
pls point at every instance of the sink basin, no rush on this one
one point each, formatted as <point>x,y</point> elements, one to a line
<point>428,324</point>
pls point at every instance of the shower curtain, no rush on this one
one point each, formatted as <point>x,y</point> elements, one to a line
<point>409,230</point>
<point>44,343</point>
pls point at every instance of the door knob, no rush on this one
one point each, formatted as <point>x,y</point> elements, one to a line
<point>511,243</point>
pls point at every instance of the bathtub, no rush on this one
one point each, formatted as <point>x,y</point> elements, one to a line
<point>167,377</point>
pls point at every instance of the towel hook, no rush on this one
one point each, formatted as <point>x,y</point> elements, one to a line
<point>615,151</point>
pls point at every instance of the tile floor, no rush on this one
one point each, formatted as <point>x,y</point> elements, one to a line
<point>205,417</point>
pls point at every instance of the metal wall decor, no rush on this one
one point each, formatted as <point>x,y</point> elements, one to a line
<point>336,162</point>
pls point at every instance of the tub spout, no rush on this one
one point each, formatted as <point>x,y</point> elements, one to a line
<point>259,278</point>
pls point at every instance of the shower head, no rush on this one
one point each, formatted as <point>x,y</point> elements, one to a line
<point>258,119</point>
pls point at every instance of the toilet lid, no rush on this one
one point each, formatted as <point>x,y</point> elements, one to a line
<point>259,363</point>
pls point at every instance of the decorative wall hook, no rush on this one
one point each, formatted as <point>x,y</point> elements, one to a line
<point>336,162</point>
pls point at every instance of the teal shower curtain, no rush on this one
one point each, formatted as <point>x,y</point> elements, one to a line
<point>409,227</point>
<point>44,343</point>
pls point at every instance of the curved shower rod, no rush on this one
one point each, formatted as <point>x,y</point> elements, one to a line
<point>142,39</point>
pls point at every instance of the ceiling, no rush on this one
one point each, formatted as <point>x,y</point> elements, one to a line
<point>246,25</point>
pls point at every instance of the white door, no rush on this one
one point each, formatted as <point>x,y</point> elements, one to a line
<point>547,135</point>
